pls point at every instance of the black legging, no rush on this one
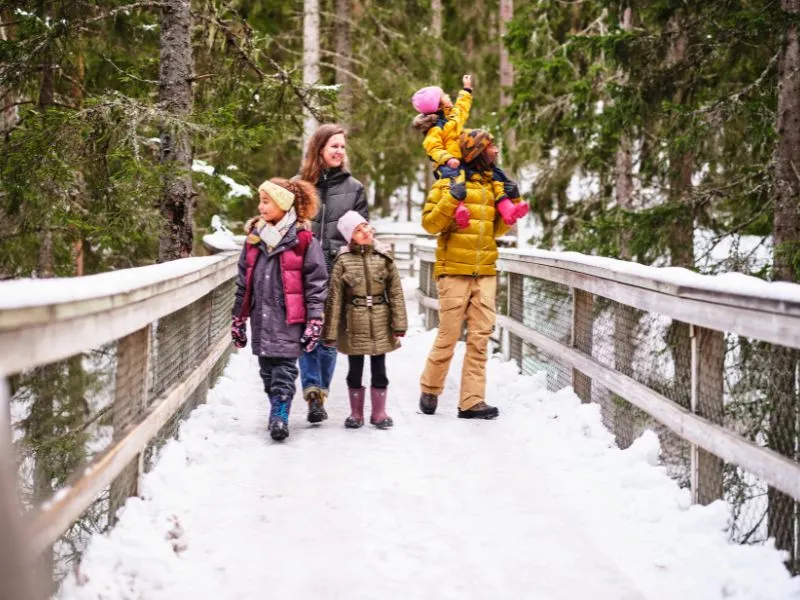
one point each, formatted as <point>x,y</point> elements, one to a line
<point>377,366</point>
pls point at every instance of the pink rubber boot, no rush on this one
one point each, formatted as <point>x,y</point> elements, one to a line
<point>379,418</point>
<point>356,418</point>
<point>507,210</point>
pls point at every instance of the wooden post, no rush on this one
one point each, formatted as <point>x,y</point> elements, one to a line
<point>516,310</point>
<point>130,400</point>
<point>6,437</point>
<point>582,304</point>
<point>708,363</point>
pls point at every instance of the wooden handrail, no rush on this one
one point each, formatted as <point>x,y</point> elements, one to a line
<point>60,329</point>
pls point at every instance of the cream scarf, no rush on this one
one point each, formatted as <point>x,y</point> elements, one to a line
<point>273,234</point>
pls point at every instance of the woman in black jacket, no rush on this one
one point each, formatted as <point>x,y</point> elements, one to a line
<point>326,164</point>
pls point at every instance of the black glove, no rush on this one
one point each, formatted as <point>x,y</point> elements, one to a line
<point>239,332</point>
<point>511,189</point>
<point>458,191</point>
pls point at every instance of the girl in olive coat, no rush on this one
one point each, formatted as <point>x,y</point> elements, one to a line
<point>364,315</point>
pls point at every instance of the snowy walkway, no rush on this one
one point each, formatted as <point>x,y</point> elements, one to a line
<point>537,504</point>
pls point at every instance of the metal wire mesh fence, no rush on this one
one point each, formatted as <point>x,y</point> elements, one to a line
<point>749,387</point>
<point>66,414</point>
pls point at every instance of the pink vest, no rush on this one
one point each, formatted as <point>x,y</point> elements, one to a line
<point>291,276</point>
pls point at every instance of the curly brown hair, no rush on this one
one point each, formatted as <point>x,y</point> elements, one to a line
<point>306,200</point>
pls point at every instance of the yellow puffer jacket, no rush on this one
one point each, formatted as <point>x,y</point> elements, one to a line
<point>441,142</point>
<point>470,251</point>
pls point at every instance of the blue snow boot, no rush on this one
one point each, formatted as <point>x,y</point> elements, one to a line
<point>279,418</point>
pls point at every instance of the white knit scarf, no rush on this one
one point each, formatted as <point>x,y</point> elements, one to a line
<point>273,234</point>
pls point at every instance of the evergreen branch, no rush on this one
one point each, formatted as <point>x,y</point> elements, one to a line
<point>126,73</point>
<point>736,97</point>
<point>115,11</point>
<point>282,74</point>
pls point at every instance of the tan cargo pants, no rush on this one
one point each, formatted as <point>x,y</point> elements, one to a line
<point>462,297</point>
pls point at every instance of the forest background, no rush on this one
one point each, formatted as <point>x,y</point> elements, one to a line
<point>650,131</point>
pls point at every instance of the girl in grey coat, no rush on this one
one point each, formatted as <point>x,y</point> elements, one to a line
<point>282,287</point>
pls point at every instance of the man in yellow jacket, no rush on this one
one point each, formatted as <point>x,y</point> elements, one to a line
<point>465,276</point>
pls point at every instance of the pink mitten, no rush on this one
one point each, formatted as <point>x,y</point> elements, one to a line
<point>507,210</point>
<point>462,216</point>
<point>521,209</point>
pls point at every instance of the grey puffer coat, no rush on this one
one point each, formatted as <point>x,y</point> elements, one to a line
<point>359,273</point>
<point>338,192</point>
<point>270,333</point>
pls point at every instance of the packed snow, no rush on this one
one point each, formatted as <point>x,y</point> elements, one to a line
<point>537,504</point>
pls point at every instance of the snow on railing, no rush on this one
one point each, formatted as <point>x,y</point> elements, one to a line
<point>101,369</point>
<point>709,362</point>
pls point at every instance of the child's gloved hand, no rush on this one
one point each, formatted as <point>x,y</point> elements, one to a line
<point>453,163</point>
<point>310,337</point>
<point>458,190</point>
<point>466,81</point>
<point>462,216</point>
<point>521,209</point>
<point>239,332</point>
<point>511,189</point>
<point>399,334</point>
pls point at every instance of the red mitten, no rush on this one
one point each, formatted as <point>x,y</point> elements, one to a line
<point>462,216</point>
<point>521,209</point>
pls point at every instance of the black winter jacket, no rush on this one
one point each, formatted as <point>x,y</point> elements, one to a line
<point>339,192</point>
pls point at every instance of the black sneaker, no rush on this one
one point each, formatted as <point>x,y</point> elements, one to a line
<point>316,409</point>
<point>428,403</point>
<point>480,411</point>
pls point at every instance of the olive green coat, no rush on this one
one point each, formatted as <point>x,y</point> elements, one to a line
<point>364,271</point>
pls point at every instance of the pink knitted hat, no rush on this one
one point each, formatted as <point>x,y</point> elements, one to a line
<point>427,99</point>
<point>348,222</point>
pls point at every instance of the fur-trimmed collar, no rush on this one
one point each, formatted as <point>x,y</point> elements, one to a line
<point>254,225</point>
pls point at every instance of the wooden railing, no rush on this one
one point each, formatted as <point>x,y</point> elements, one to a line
<point>157,337</point>
<point>580,319</point>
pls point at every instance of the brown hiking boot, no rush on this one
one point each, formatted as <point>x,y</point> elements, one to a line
<point>480,411</point>
<point>428,403</point>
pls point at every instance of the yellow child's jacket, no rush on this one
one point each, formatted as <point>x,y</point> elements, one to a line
<point>470,251</point>
<point>441,141</point>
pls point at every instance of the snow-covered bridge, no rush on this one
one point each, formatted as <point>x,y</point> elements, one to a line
<point>614,471</point>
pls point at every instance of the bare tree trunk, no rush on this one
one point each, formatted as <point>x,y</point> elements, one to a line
<point>344,50</point>
<point>506,68</point>
<point>46,258</point>
<point>175,95</point>
<point>10,116</point>
<point>310,59</point>
<point>624,316</point>
<point>782,512</point>
<point>436,29</point>
<point>681,238</point>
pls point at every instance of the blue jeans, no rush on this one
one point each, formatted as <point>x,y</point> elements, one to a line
<point>316,368</point>
<point>278,375</point>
